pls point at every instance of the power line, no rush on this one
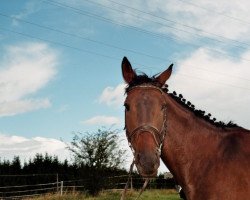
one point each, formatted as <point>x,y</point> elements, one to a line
<point>84,38</point>
<point>106,44</point>
<point>89,14</point>
<point>165,19</point>
<point>87,51</point>
<point>65,45</point>
<point>99,17</point>
<point>212,81</point>
<point>58,43</point>
<point>168,38</point>
<point>80,37</point>
<point>223,74</point>
<point>213,11</point>
<point>90,52</point>
<point>159,23</point>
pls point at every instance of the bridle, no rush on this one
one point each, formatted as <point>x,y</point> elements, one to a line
<point>157,134</point>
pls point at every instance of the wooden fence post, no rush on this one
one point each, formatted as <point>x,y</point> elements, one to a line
<point>131,183</point>
<point>61,188</point>
<point>57,186</point>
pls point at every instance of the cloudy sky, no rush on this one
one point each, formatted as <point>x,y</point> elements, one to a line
<point>60,63</point>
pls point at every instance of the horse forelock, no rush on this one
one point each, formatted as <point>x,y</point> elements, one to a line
<point>142,79</point>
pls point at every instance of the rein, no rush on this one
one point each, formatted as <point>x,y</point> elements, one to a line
<point>157,134</point>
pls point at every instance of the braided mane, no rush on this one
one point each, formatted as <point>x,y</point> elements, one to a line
<point>145,79</point>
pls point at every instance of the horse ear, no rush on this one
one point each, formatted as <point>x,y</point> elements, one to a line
<point>164,76</point>
<point>127,71</point>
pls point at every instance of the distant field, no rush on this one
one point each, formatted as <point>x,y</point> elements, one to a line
<point>114,195</point>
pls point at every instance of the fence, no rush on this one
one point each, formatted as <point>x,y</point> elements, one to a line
<point>21,191</point>
<point>16,192</point>
<point>32,187</point>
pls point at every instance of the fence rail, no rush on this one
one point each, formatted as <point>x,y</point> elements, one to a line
<point>17,192</point>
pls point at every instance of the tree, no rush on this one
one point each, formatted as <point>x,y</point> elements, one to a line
<point>16,165</point>
<point>98,150</point>
<point>97,154</point>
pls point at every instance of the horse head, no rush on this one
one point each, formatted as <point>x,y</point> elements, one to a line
<point>145,117</point>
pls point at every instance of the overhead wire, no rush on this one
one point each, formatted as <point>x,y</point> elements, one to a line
<point>95,41</point>
<point>65,45</point>
<point>84,50</point>
<point>176,22</point>
<point>80,37</point>
<point>97,54</point>
<point>162,24</point>
<point>157,57</point>
<point>106,44</point>
<point>216,12</point>
<point>99,17</point>
<point>118,10</point>
<point>212,81</point>
<point>58,43</point>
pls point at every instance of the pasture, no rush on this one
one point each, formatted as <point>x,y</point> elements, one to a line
<point>114,195</point>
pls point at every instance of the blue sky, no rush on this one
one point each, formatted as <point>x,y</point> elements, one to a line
<point>60,63</point>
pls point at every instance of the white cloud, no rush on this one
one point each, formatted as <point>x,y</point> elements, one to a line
<point>102,120</point>
<point>26,148</point>
<point>29,8</point>
<point>211,82</point>
<point>24,70</point>
<point>209,21</point>
<point>215,84</point>
<point>113,96</point>
<point>181,15</point>
<point>21,106</point>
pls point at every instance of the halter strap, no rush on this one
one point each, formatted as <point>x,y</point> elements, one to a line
<point>146,86</point>
<point>155,132</point>
<point>151,129</point>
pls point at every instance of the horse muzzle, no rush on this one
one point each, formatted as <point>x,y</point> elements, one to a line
<point>147,164</point>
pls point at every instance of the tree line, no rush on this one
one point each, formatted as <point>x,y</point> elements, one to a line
<point>97,164</point>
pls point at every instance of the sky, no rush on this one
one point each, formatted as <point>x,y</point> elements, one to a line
<point>60,66</point>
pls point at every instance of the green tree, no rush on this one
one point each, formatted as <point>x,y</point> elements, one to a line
<point>98,155</point>
<point>16,165</point>
<point>98,150</point>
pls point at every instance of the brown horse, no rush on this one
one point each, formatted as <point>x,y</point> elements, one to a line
<point>209,159</point>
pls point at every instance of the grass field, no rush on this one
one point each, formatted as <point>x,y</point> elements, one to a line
<point>114,195</point>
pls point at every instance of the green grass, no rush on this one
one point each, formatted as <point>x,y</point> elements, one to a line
<point>115,195</point>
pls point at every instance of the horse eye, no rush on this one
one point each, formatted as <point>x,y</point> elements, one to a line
<point>126,107</point>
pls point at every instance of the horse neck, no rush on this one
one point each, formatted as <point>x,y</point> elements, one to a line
<point>189,142</point>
